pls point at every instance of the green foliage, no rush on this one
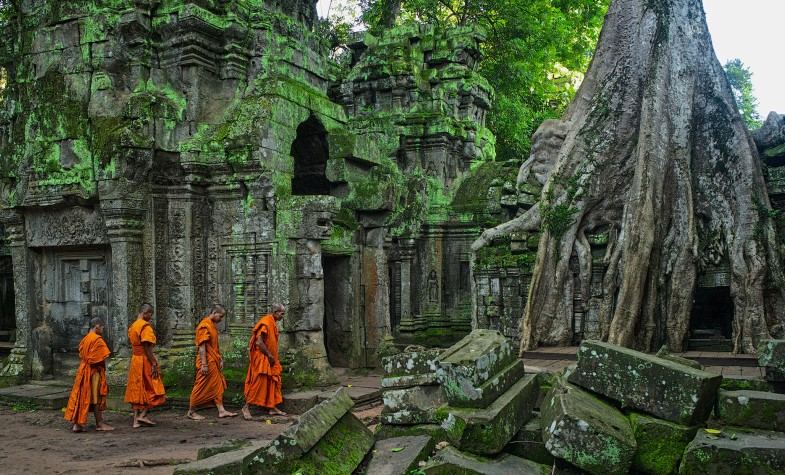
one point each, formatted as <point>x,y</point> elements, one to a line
<point>24,406</point>
<point>298,371</point>
<point>740,79</point>
<point>534,56</point>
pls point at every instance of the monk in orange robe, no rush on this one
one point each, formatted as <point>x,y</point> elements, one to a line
<point>145,389</point>
<point>263,380</point>
<point>210,384</point>
<point>90,389</point>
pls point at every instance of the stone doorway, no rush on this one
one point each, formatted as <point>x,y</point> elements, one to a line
<point>339,328</point>
<point>7,308</point>
<point>73,287</point>
<point>310,153</point>
<point>711,321</point>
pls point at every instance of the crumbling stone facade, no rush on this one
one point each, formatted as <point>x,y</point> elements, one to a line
<point>192,152</point>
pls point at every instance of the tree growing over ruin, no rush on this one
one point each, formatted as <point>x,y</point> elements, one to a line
<point>653,152</point>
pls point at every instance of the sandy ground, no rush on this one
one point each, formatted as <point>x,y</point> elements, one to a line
<point>40,442</point>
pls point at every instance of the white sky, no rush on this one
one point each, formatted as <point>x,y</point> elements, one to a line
<point>750,30</point>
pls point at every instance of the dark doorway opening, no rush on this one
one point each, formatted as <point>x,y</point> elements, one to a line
<point>711,321</point>
<point>7,307</point>
<point>339,332</point>
<point>310,152</point>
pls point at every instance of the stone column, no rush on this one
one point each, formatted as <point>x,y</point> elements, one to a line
<point>407,256</point>
<point>375,276</point>
<point>124,219</point>
<point>18,363</point>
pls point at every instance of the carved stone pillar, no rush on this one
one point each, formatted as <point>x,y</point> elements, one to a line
<point>124,219</point>
<point>406,251</point>
<point>18,363</point>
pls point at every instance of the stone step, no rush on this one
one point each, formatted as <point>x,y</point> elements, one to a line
<point>735,452</point>
<point>46,396</point>
<point>452,461</point>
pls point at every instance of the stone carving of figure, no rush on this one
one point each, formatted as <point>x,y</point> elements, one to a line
<point>42,360</point>
<point>433,288</point>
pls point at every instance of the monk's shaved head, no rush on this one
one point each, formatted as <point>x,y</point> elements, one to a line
<point>145,307</point>
<point>276,307</point>
<point>94,322</point>
<point>218,308</point>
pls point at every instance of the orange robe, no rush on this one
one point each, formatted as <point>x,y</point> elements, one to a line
<point>263,382</point>
<point>143,391</point>
<point>209,388</point>
<point>90,387</point>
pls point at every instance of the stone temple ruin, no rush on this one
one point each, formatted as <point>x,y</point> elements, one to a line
<point>191,152</point>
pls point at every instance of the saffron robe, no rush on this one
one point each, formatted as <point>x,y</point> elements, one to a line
<point>143,391</point>
<point>90,387</point>
<point>208,388</point>
<point>263,381</point>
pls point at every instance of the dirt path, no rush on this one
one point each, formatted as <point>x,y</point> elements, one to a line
<point>41,442</point>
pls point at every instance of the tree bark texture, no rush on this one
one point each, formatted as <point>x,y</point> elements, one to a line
<point>653,152</point>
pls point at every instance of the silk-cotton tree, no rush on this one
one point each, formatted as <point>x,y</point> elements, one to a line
<point>653,151</point>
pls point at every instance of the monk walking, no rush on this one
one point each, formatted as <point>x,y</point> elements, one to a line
<point>263,380</point>
<point>90,389</point>
<point>145,389</point>
<point>210,384</point>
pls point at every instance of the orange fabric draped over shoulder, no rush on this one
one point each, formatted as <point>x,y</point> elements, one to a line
<point>143,391</point>
<point>92,353</point>
<point>208,388</point>
<point>263,382</point>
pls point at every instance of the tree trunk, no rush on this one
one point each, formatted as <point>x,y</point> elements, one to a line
<point>656,155</point>
<point>390,11</point>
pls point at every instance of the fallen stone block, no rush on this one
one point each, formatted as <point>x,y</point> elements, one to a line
<point>221,463</point>
<point>414,405</point>
<point>488,430</point>
<point>300,402</point>
<point>301,437</point>
<point>771,354</point>
<point>528,444</point>
<point>449,430</point>
<point>399,455</point>
<point>660,444</point>
<point>756,409</point>
<point>479,358</point>
<point>340,450</point>
<point>738,383</point>
<point>229,446</point>
<point>752,453</point>
<point>405,370</point>
<point>662,388</point>
<point>587,432</point>
<point>664,353</point>
<point>451,461</point>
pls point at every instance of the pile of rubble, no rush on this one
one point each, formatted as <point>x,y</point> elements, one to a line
<point>471,409</point>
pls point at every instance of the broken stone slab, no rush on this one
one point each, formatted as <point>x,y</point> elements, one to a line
<point>221,463</point>
<point>660,444</point>
<point>451,461</point>
<point>587,432</point>
<point>477,359</point>
<point>662,388</point>
<point>756,409</point>
<point>229,446</point>
<point>450,430</point>
<point>301,437</point>
<point>300,402</point>
<point>408,381</point>
<point>399,455</point>
<point>528,444</point>
<point>340,450</point>
<point>488,430</point>
<point>664,353</point>
<point>411,363</point>
<point>414,405</point>
<point>771,354</point>
<point>739,383</point>
<point>748,452</point>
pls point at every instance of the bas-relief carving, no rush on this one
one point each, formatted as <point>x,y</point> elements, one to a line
<point>76,226</point>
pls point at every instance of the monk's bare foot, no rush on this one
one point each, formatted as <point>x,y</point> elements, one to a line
<point>277,412</point>
<point>226,414</point>
<point>194,416</point>
<point>246,413</point>
<point>104,427</point>
<point>77,428</point>
<point>146,421</point>
<point>136,424</point>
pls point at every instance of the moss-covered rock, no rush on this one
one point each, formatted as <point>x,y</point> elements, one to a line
<point>414,405</point>
<point>756,409</point>
<point>587,432</point>
<point>527,443</point>
<point>744,384</point>
<point>636,380</point>
<point>771,354</point>
<point>736,452</point>
<point>453,462</point>
<point>660,444</point>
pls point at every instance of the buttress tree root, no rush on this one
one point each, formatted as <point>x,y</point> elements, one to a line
<point>653,152</point>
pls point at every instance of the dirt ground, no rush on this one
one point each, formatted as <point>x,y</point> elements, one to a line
<point>40,442</point>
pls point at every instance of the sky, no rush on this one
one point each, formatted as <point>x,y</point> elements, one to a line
<point>750,30</point>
